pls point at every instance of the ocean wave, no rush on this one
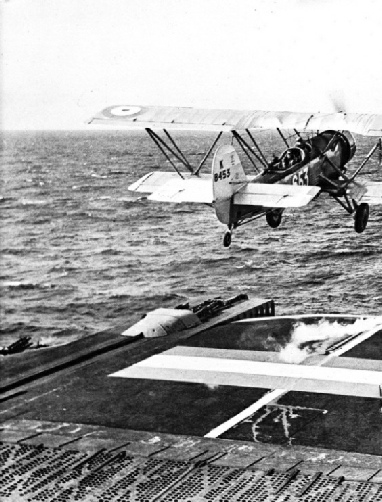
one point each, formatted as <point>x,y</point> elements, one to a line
<point>34,202</point>
<point>4,199</point>
<point>88,188</point>
<point>356,252</point>
<point>26,285</point>
<point>14,251</point>
<point>19,328</point>
<point>109,252</point>
<point>218,260</point>
<point>335,254</point>
<point>127,203</point>
<point>249,265</point>
<point>41,221</point>
<point>63,268</point>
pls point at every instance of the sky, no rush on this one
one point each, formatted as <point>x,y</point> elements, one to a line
<point>64,60</point>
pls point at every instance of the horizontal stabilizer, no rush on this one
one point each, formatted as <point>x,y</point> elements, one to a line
<point>275,195</point>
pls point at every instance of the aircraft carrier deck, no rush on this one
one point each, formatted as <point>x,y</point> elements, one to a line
<point>218,405</point>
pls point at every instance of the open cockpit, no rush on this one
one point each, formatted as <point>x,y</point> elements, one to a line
<point>289,158</point>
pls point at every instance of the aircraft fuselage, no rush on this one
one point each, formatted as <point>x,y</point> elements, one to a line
<point>314,162</point>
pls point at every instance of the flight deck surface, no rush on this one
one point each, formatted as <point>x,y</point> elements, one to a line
<point>193,415</point>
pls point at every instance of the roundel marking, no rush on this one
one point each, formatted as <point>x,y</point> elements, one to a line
<point>125,111</point>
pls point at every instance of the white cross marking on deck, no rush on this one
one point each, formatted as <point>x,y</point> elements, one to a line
<point>277,393</point>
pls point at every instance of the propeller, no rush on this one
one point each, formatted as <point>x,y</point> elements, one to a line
<point>337,99</point>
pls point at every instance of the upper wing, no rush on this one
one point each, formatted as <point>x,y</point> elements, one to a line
<point>167,117</point>
<point>275,195</point>
<point>170,187</point>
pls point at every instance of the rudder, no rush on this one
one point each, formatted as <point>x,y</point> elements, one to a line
<point>228,177</point>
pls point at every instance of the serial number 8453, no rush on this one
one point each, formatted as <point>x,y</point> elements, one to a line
<point>225,173</point>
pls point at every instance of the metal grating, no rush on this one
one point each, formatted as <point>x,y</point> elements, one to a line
<point>27,475</point>
<point>156,477</point>
<point>81,481</point>
<point>34,473</point>
<point>378,495</point>
<point>205,483</point>
<point>359,492</point>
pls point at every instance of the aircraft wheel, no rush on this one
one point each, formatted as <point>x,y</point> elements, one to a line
<point>227,239</point>
<point>361,217</point>
<point>274,218</point>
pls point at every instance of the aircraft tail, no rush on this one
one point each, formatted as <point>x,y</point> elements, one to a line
<point>228,177</point>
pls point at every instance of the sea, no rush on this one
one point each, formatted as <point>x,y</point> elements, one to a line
<point>81,254</point>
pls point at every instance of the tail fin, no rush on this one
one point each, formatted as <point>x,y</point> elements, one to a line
<point>228,177</point>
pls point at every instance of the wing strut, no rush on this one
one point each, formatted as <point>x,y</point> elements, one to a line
<point>246,150</point>
<point>207,154</point>
<point>177,152</point>
<point>283,137</point>
<point>161,144</point>
<point>265,163</point>
<point>377,145</point>
<point>303,141</point>
<point>186,163</point>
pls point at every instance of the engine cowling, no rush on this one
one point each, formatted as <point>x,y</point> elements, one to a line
<point>344,143</point>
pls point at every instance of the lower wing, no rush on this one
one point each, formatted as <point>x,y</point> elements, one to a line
<point>169,187</point>
<point>275,195</point>
<point>373,194</point>
<point>369,192</point>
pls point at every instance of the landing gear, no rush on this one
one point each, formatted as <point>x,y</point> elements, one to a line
<point>361,217</point>
<point>274,218</point>
<point>228,235</point>
<point>360,212</point>
<point>227,239</point>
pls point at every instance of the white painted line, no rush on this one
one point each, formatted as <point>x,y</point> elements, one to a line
<point>268,398</point>
<point>234,366</point>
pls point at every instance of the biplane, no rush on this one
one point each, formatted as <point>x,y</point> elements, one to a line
<point>314,161</point>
